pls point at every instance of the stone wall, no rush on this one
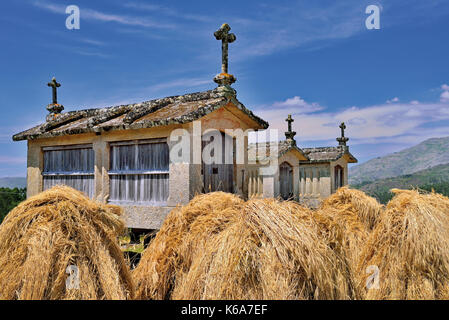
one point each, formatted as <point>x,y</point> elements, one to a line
<point>314,183</point>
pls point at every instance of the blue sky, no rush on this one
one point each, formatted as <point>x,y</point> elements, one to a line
<point>314,59</point>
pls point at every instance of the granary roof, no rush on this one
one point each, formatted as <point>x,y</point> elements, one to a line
<point>282,148</point>
<point>313,155</point>
<point>170,110</point>
<point>327,154</point>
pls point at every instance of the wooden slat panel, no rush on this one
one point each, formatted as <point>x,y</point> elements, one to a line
<point>68,147</point>
<point>142,141</point>
<point>218,177</point>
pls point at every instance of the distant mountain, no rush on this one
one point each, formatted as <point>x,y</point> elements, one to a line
<point>17,182</point>
<point>435,178</point>
<point>427,154</point>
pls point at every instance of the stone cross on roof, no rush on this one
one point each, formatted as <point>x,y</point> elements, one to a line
<point>54,108</point>
<point>342,140</point>
<point>289,121</point>
<point>290,134</point>
<point>54,86</point>
<point>223,34</point>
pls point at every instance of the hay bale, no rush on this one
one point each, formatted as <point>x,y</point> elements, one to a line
<point>357,203</point>
<point>206,214</point>
<point>265,249</point>
<point>55,229</point>
<point>344,232</point>
<point>346,236</point>
<point>410,246</point>
<point>346,219</point>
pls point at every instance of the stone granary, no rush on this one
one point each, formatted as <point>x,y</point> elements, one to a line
<point>126,154</point>
<point>307,175</point>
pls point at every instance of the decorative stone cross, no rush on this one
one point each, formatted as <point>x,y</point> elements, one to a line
<point>225,37</point>
<point>342,127</point>
<point>342,140</point>
<point>54,86</point>
<point>224,79</point>
<point>289,121</point>
<point>54,108</point>
<point>290,134</point>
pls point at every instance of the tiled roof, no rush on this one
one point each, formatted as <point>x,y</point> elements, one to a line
<point>158,112</point>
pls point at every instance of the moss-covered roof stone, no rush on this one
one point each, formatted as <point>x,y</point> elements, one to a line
<point>159,112</point>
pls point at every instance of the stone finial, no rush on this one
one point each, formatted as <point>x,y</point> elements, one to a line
<point>54,108</point>
<point>224,79</point>
<point>290,134</point>
<point>342,140</point>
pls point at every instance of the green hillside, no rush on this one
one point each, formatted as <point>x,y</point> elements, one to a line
<point>435,178</point>
<point>427,154</point>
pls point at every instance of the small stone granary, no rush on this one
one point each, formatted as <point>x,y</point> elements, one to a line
<point>125,154</point>
<point>307,175</point>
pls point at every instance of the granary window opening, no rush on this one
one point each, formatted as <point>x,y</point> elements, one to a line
<point>286,180</point>
<point>69,165</point>
<point>139,172</point>
<point>338,177</point>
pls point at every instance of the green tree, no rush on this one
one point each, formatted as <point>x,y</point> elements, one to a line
<point>442,188</point>
<point>9,199</point>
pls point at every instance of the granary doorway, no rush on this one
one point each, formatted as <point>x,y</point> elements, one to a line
<point>286,180</point>
<point>218,162</point>
<point>338,175</point>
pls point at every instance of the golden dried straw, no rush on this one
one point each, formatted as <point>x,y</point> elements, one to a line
<point>366,208</point>
<point>410,247</point>
<point>205,214</point>
<point>218,247</point>
<point>57,228</point>
<point>346,219</point>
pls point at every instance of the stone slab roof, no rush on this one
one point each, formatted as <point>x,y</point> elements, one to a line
<point>282,147</point>
<point>314,155</point>
<point>327,154</point>
<point>159,112</point>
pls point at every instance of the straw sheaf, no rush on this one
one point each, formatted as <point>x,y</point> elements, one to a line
<point>346,219</point>
<point>410,246</point>
<point>357,203</point>
<point>204,215</point>
<point>220,247</point>
<point>57,228</point>
<point>262,249</point>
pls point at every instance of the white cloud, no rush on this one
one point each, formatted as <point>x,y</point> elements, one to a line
<point>413,113</point>
<point>444,96</point>
<point>265,28</point>
<point>400,122</point>
<point>90,53</point>
<point>298,105</point>
<point>91,14</point>
<point>395,99</point>
<point>297,25</point>
<point>93,42</point>
<point>168,11</point>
